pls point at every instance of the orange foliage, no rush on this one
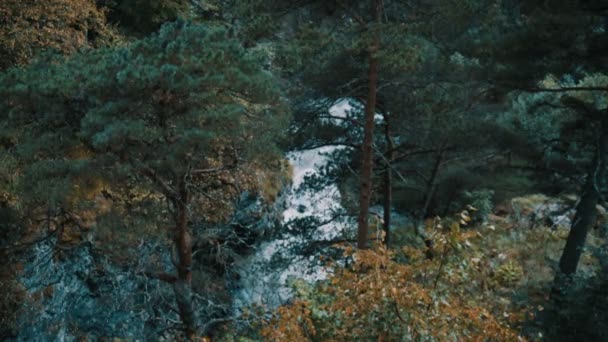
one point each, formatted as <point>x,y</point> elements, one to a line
<point>28,26</point>
<point>294,323</point>
<point>376,298</point>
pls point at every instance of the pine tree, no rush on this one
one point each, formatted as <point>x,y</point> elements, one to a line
<point>351,49</point>
<point>166,114</point>
<point>553,48</point>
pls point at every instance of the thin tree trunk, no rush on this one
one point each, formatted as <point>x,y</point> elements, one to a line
<point>586,212</point>
<point>388,180</point>
<point>183,242</point>
<point>431,184</point>
<point>367,163</point>
<point>430,191</point>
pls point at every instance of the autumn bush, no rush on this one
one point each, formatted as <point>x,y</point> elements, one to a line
<point>28,27</point>
<point>373,297</point>
<point>487,281</point>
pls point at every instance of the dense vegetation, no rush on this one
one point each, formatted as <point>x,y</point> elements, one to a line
<point>468,141</point>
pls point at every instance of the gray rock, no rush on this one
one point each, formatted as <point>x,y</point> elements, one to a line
<point>79,293</point>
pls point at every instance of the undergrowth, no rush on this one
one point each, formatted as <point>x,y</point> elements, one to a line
<point>485,282</point>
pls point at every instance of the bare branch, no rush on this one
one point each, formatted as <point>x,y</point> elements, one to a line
<point>166,189</point>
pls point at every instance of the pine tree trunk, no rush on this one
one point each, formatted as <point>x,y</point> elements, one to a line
<point>388,181</point>
<point>367,162</point>
<point>183,241</point>
<point>586,212</point>
<point>430,191</point>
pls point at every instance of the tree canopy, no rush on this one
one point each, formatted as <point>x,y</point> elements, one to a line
<point>467,139</point>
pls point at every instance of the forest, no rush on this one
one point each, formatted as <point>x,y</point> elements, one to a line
<point>303,170</point>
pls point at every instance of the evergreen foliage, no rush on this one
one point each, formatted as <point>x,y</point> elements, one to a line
<point>175,116</point>
<point>435,109</point>
<point>162,103</point>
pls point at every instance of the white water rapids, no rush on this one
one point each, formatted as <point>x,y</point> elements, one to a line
<point>265,282</point>
<point>261,281</point>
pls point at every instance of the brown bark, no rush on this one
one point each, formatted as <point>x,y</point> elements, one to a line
<point>182,283</point>
<point>367,163</point>
<point>388,180</point>
<point>586,212</point>
<point>182,287</point>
